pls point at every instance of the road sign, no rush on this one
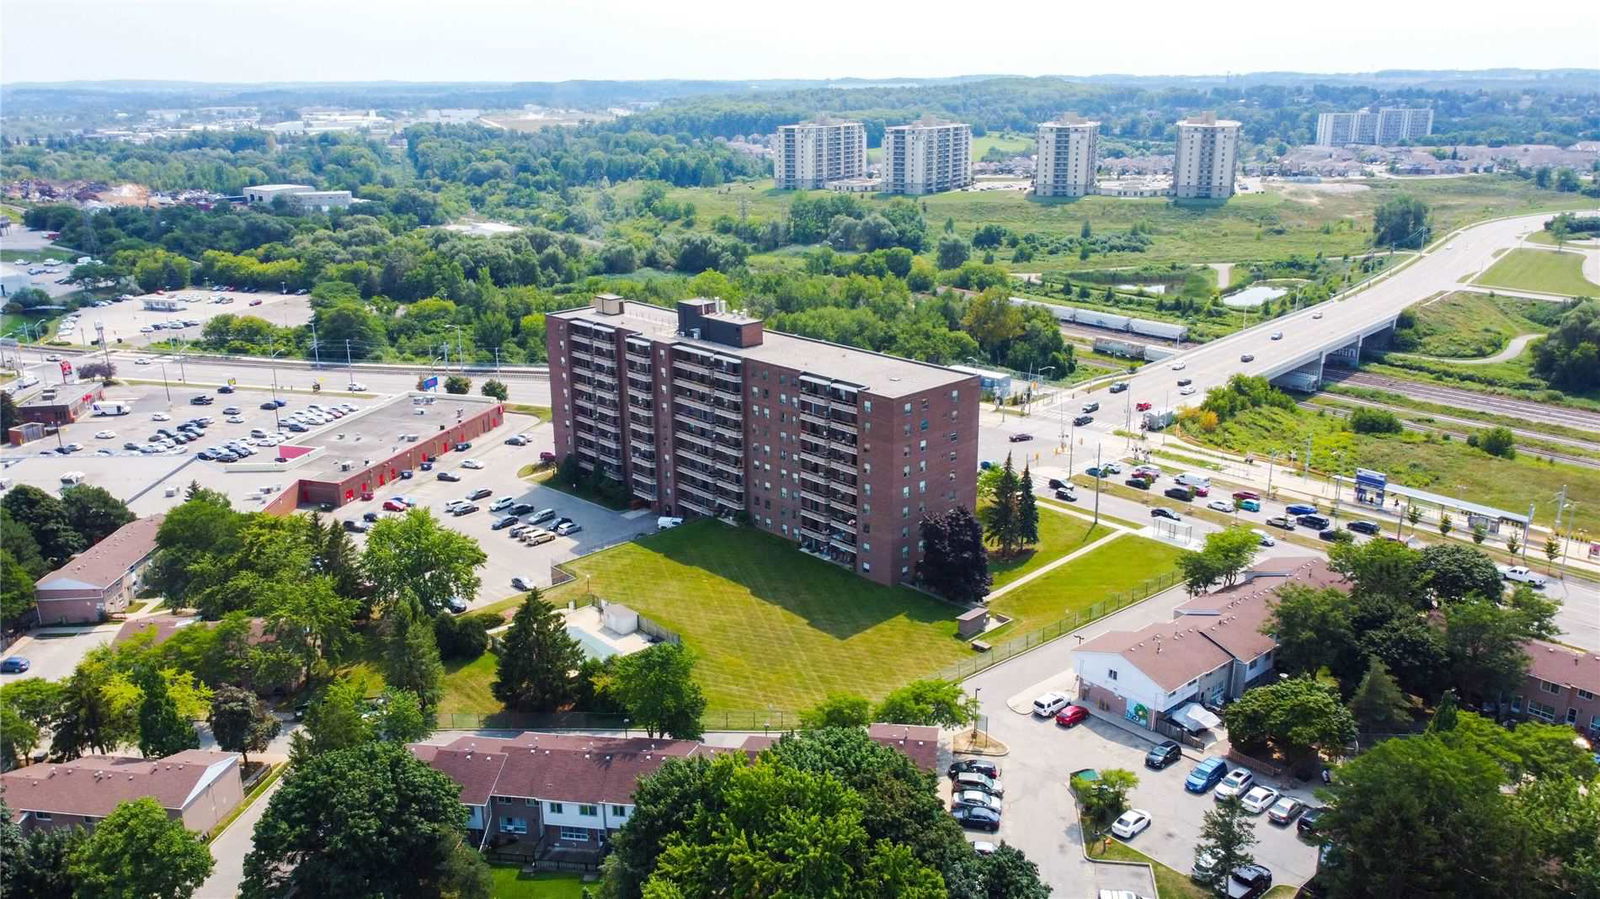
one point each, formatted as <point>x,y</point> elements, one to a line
<point>429,383</point>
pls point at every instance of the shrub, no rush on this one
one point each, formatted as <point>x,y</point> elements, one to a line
<point>1374,421</point>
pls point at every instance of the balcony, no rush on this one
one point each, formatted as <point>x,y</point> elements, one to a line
<point>686,365</point>
<point>734,433</point>
<point>696,505</point>
<point>645,492</point>
<point>846,542</point>
<point>814,534</point>
<point>698,454</point>
<point>843,504</point>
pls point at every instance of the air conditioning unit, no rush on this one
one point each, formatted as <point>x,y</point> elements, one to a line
<point>346,465</point>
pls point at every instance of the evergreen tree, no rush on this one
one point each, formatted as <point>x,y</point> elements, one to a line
<point>1226,834</point>
<point>1378,703</point>
<point>538,659</point>
<point>1444,717</point>
<point>162,731</point>
<point>1001,527</point>
<point>410,655</point>
<point>1027,510</point>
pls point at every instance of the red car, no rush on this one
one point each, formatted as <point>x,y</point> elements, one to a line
<point>1245,494</point>
<point>1072,715</point>
<point>394,505</point>
<point>255,302</point>
<point>1142,407</point>
<point>1202,491</point>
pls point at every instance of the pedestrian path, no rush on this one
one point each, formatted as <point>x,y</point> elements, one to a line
<point>1116,533</point>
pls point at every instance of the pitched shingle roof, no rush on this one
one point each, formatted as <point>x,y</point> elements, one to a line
<point>562,767</point>
<point>94,784</point>
<point>1564,667</point>
<point>1169,653</point>
<point>102,564</point>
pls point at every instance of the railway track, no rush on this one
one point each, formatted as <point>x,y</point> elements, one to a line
<point>1469,399</point>
<point>1584,461</point>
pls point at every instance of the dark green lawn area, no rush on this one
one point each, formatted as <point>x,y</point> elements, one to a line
<point>1126,564</point>
<point>774,628</point>
<point>511,883</point>
<point>1059,534</point>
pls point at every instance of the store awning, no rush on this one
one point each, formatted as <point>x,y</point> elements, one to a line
<point>1195,717</point>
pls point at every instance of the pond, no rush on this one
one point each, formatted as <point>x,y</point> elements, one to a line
<point>1155,289</point>
<point>1251,297</point>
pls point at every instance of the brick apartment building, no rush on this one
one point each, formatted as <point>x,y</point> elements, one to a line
<point>704,412</point>
<point>1560,687</point>
<point>197,786</point>
<point>98,582</point>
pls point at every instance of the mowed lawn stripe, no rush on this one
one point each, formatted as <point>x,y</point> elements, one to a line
<point>774,628</point>
<point>1126,563</point>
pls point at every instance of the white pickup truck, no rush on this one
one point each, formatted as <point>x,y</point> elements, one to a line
<point>1522,575</point>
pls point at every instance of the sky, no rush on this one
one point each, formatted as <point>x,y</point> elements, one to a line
<point>557,40</point>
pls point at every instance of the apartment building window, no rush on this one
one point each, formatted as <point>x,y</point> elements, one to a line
<point>783,492</point>
<point>905,511</point>
<point>1111,673</point>
<point>575,834</point>
<point>924,425</point>
<point>866,406</point>
<point>922,486</point>
<point>1585,694</point>
<point>619,811</point>
<point>922,465</point>
<point>922,445</point>
<point>1541,711</point>
<point>557,808</point>
<point>905,492</point>
<point>508,824</point>
<point>905,471</point>
<point>589,811</point>
<point>1547,687</point>
<point>905,532</point>
<point>905,552</point>
<point>866,547</point>
<point>908,408</point>
<point>924,404</point>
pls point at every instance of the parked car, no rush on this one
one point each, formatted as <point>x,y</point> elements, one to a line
<point>462,447</point>
<point>1165,753</point>
<point>522,582</point>
<point>480,493</point>
<point>1164,512</point>
<point>535,536</point>
<point>464,509</point>
<point>1047,705</point>
<point>1258,799</point>
<point>977,818</point>
<point>972,780</point>
<point>447,475</point>
<point>1249,882</point>
<point>1235,784</point>
<point>979,766</point>
<point>355,527</point>
<point>542,516</point>
<point>1281,521</point>
<point>456,605</point>
<point>974,799</point>
<point>1286,809</point>
<point>568,528</point>
<point>15,665</point>
<point>502,523</point>
<point>1206,775</point>
<point>473,464</point>
<point>1133,822</point>
<point>520,508</point>
<point>503,502</point>
<point>1308,820</point>
<point>1138,483</point>
<point>1072,716</point>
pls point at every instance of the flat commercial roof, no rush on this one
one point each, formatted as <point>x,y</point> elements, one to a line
<point>876,373</point>
<point>1444,502</point>
<point>375,433</point>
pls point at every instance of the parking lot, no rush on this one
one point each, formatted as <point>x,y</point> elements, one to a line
<point>509,557</point>
<point>1039,811</point>
<point>126,322</point>
<point>55,651</point>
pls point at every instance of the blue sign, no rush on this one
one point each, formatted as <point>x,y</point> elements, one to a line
<point>429,383</point>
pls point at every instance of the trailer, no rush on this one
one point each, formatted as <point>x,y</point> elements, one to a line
<point>1163,330</point>
<point>1157,419</point>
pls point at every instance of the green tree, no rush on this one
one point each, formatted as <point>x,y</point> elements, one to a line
<point>138,852</point>
<point>1374,421</point>
<point>538,660</point>
<point>162,731</point>
<point>1381,568</point>
<point>1485,642</point>
<point>307,618</point>
<point>1300,716</point>
<point>201,529</point>
<point>36,864</point>
<point>1446,525</point>
<point>240,722</point>
<point>1378,705</point>
<point>954,563</point>
<point>1552,548</point>
<point>1401,223</point>
<point>370,820</point>
<point>1027,509</point>
<point>1003,526</point>
<point>414,554</point>
<point>1226,835</point>
<point>657,688</point>
<point>953,251</point>
<point>1413,515</point>
<point>8,412</point>
<point>928,701</point>
<point>1450,572</point>
<point>838,710</point>
<point>401,718</point>
<point>1105,798</point>
<point>17,595</point>
<point>1498,441</point>
<point>18,737</point>
<point>334,721</point>
<point>410,657</point>
<point>496,389</point>
<point>86,719</point>
<point>1225,555</point>
<point>46,519</point>
<point>457,384</point>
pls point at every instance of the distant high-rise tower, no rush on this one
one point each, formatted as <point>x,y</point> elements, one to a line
<point>1068,151</point>
<point>1385,127</point>
<point>1208,150</point>
<point>809,155</point>
<point>926,157</point>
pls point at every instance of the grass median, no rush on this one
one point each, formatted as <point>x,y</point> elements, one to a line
<point>1543,271</point>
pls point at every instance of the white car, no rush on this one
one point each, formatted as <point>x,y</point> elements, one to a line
<point>504,502</point>
<point>105,435</point>
<point>473,464</point>
<point>976,798</point>
<point>1317,314</point>
<point>1131,824</point>
<point>522,582</point>
<point>1047,705</point>
<point>1264,537</point>
<point>1236,783</point>
<point>1259,799</point>
<point>357,387</point>
<point>1180,365</point>
<point>1220,505</point>
<point>235,420</point>
<point>1186,390</point>
<point>160,416</point>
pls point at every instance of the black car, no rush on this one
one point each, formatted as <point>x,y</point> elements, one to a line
<point>1328,534</point>
<point>1179,493</point>
<point>1119,386</point>
<point>1164,512</point>
<point>1362,526</point>
<point>427,465</point>
<point>1056,483</point>
<point>977,817</point>
<point>480,493</point>
<point>1066,495</point>
<point>1314,522</point>
<point>355,527</point>
<point>1139,483</point>
<point>973,766</point>
<point>1163,754</point>
<point>448,476</point>
<point>370,517</point>
<point>503,523</point>
<point>462,447</point>
<point>294,426</point>
<point>226,388</point>
<point>1249,882</point>
<point>406,474</point>
<point>201,400</point>
<point>1185,382</point>
<point>520,509</point>
<point>1082,420</point>
<point>1308,819</point>
<point>269,405</point>
<point>465,509</point>
<point>1020,438</point>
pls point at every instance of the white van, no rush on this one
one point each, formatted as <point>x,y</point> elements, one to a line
<point>1191,479</point>
<point>72,478</point>
<point>667,521</point>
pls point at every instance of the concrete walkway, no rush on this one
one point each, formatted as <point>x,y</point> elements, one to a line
<point>231,846</point>
<point>1513,349</point>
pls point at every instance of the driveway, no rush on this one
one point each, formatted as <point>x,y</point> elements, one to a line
<point>231,846</point>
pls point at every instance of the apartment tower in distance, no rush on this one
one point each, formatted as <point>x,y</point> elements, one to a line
<point>1385,127</point>
<point>810,155</point>
<point>1068,152</point>
<point>1208,151</point>
<point>926,157</point>
<point>704,412</point>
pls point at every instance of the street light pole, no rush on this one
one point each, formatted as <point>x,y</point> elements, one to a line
<point>166,386</point>
<point>1097,472</point>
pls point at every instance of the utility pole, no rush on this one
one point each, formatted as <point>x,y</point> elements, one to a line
<point>1097,472</point>
<point>1271,458</point>
<point>1305,461</point>
<point>497,362</point>
<point>316,350</point>
<point>1527,533</point>
<point>461,357</point>
<point>347,354</point>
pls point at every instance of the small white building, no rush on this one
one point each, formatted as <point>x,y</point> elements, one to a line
<point>300,196</point>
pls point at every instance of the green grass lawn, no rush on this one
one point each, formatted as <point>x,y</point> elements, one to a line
<point>1542,271</point>
<point>1470,325</point>
<point>1109,572</point>
<point>511,883</point>
<point>1059,534</point>
<point>466,687</point>
<point>773,627</point>
<point>1013,144</point>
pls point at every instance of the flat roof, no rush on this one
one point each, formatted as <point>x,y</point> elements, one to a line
<point>1446,502</point>
<point>877,373</point>
<point>279,187</point>
<point>374,433</point>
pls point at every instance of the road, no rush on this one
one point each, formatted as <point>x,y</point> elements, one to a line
<point>1513,349</point>
<point>1449,263</point>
